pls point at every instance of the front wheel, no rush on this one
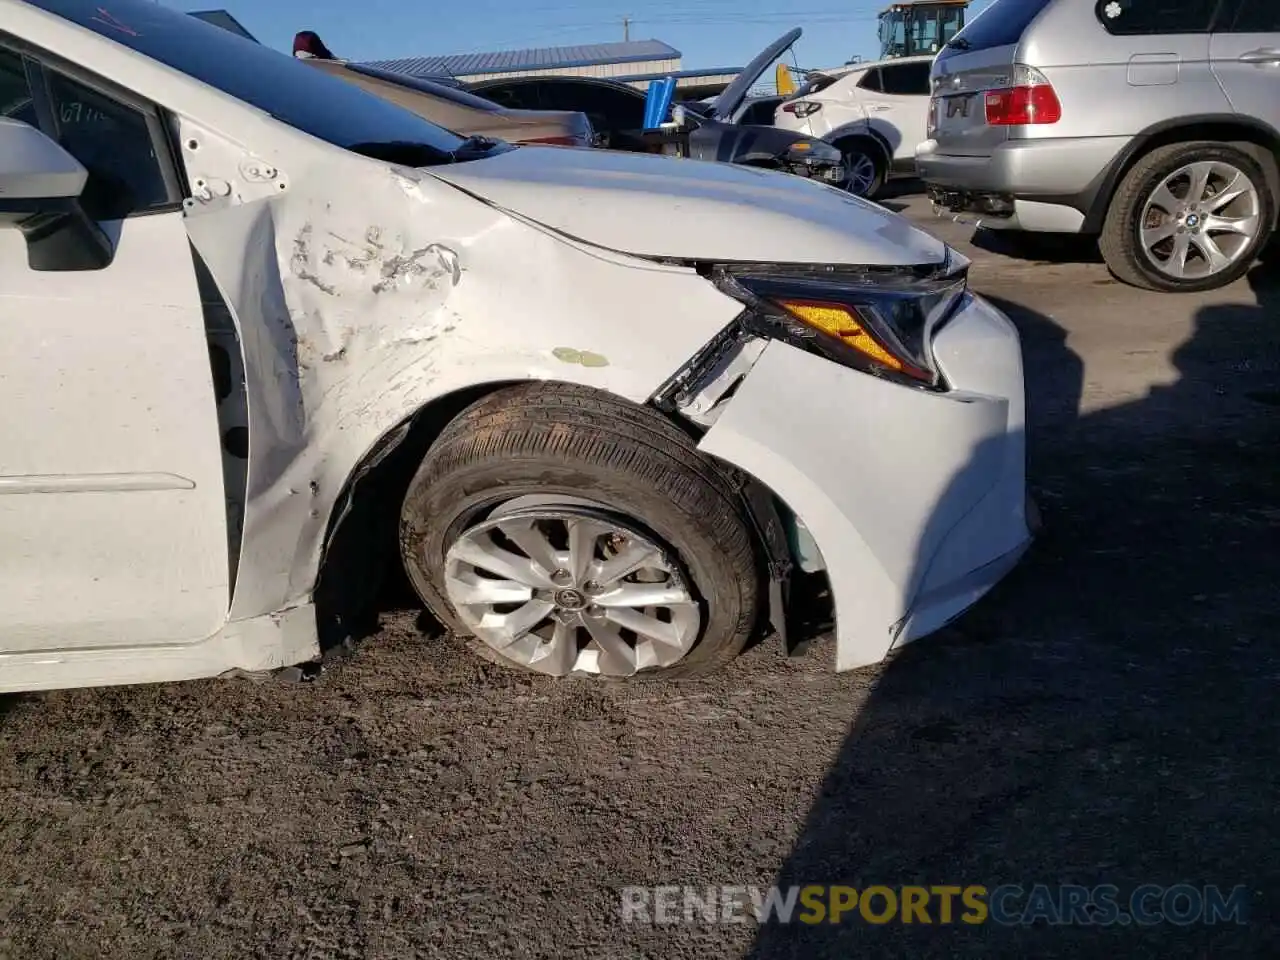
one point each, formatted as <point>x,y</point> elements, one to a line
<point>1188,217</point>
<point>569,532</point>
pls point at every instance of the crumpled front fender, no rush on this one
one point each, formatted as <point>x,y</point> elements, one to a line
<point>365,292</point>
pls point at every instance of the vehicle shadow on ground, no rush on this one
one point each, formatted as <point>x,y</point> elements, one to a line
<point>1063,248</point>
<point>8,701</point>
<point>893,195</point>
<point>1107,716</point>
<point>1056,248</point>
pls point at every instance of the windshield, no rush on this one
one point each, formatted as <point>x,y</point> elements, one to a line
<point>998,25</point>
<point>893,35</point>
<point>325,107</point>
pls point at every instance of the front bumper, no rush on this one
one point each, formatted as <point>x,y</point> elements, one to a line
<point>1043,185</point>
<point>916,500</point>
<point>826,169</point>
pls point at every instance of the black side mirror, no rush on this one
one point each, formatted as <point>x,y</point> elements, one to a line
<point>40,188</point>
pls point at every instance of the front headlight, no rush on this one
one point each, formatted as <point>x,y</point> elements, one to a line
<point>879,320</point>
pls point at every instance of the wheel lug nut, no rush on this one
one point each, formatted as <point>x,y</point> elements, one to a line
<point>595,611</point>
<point>592,586</point>
<point>562,577</point>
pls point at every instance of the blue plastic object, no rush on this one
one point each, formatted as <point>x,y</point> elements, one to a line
<point>657,104</point>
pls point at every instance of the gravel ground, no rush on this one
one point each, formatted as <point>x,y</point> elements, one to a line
<point>1108,716</point>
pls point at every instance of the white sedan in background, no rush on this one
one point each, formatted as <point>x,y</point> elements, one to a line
<point>258,329</point>
<point>875,113</point>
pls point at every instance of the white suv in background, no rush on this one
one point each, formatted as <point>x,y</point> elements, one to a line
<point>876,113</point>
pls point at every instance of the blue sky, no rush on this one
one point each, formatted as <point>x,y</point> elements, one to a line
<point>710,33</point>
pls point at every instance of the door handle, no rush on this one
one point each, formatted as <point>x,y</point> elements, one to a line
<point>1264,55</point>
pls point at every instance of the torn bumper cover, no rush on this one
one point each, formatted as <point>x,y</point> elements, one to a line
<point>915,499</point>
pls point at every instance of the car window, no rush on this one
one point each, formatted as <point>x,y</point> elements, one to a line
<point>328,108</point>
<point>608,108</point>
<point>816,83</point>
<point>115,146</point>
<point>906,79</point>
<point>520,97</point>
<point>111,140</point>
<point>760,113</point>
<point>1253,16</point>
<point>15,93</point>
<point>998,25</point>
<point>871,81</point>
<point>1129,18</point>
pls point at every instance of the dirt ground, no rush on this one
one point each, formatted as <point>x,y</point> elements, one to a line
<point>1107,716</point>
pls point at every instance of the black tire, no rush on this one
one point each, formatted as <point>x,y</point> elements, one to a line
<point>854,148</point>
<point>1120,241</point>
<point>557,439</point>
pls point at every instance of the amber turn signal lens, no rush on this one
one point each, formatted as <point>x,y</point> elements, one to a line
<point>843,323</point>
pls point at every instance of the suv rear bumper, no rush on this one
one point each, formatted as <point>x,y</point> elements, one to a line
<point>1040,185</point>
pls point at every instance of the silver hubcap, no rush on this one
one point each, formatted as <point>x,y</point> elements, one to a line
<point>566,589</point>
<point>862,173</point>
<point>1201,220</point>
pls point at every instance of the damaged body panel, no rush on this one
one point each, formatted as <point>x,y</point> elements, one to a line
<point>356,313</point>
<point>655,387</point>
<point>917,514</point>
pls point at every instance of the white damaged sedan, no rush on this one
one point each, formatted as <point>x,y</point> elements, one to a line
<point>259,329</point>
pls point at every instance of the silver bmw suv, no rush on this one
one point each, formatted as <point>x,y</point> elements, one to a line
<point>1154,124</point>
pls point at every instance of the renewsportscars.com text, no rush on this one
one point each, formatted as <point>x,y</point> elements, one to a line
<point>974,904</point>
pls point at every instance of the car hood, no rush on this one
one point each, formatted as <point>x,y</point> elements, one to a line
<point>654,206</point>
<point>733,96</point>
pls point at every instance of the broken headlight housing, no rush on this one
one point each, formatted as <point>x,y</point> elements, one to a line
<point>814,159</point>
<point>880,320</point>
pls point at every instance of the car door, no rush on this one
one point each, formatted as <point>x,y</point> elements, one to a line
<point>899,108</point>
<point>1245,52</point>
<point>112,516</point>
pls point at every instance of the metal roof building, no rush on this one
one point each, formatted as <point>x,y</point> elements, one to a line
<point>615,60</point>
<point>635,62</point>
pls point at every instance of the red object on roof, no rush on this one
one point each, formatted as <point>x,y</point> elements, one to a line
<point>308,43</point>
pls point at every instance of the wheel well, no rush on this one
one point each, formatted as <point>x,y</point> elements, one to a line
<point>363,533</point>
<point>1260,143</point>
<point>361,545</point>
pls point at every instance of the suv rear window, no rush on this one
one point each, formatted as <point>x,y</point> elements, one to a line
<point>1253,16</point>
<point>999,25</point>
<point>1129,18</point>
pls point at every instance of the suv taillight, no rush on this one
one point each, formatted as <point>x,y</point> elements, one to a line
<point>801,108</point>
<point>1031,101</point>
